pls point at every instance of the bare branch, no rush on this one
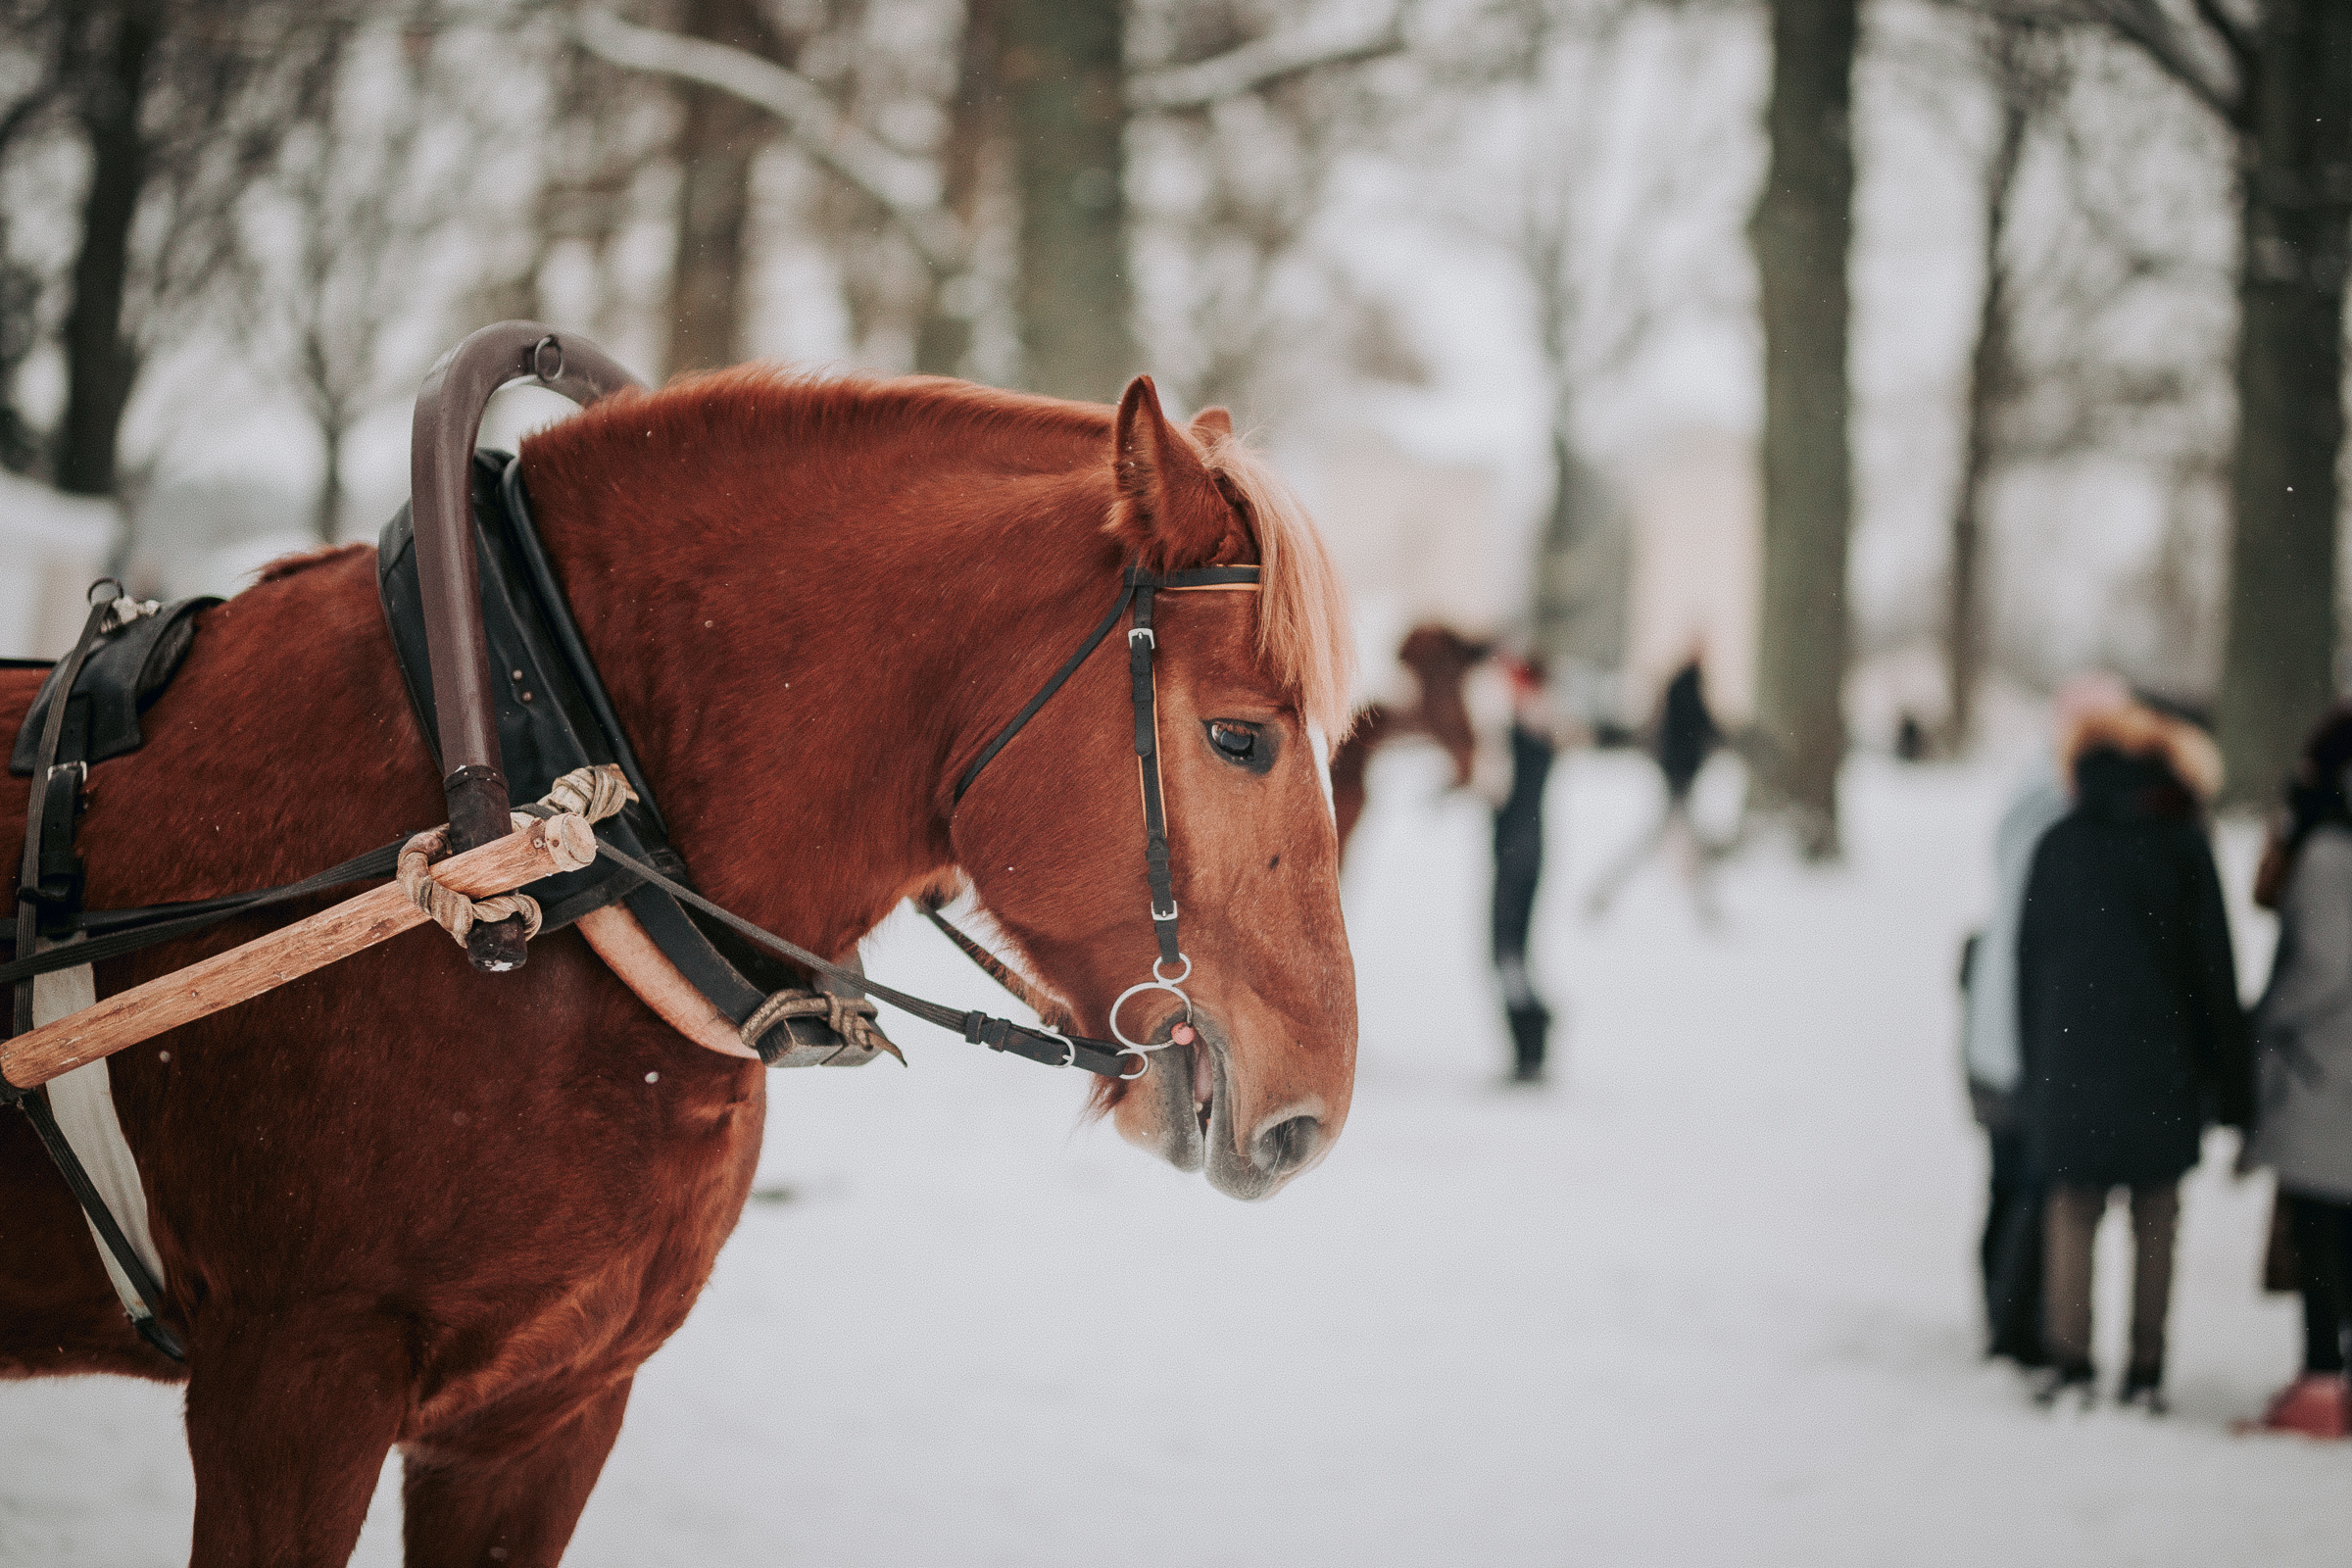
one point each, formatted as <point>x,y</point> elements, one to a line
<point>1259,64</point>
<point>2150,27</point>
<point>906,188</point>
<point>2234,35</point>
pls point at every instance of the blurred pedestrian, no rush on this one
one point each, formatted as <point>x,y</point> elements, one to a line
<point>2009,1253</point>
<point>1537,732</point>
<point>2132,1033</point>
<point>2303,1067</point>
<point>1685,736</point>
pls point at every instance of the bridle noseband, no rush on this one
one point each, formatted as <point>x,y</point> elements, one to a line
<point>1138,591</point>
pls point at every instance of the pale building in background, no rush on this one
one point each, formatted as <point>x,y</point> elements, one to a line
<point>1695,518</point>
<point>1418,541</point>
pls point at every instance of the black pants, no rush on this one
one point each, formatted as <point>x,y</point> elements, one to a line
<point>2010,1253</point>
<point>2323,1235</point>
<point>1518,868</point>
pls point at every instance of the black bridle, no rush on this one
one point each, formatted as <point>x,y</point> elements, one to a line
<point>1055,1048</point>
<point>1142,646</point>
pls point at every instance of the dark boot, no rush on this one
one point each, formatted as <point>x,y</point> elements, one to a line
<point>2143,1387</point>
<point>2067,1380</point>
<point>1530,1027</point>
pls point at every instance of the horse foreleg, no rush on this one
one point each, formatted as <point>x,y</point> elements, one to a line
<point>290,1417</point>
<point>506,1487</point>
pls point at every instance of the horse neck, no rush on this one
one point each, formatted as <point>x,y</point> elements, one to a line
<point>803,639</point>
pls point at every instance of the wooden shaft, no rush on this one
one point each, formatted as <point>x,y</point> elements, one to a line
<point>557,844</point>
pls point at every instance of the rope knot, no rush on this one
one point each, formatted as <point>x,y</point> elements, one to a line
<point>853,1019</point>
<point>594,793</point>
<point>590,793</point>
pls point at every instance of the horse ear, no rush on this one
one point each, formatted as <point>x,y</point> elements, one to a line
<point>1171,510</point>
<point>1213,424</point>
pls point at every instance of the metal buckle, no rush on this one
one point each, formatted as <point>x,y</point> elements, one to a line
<point>1165,919</point>
<point>124,611</point>
<point>1145,632</point>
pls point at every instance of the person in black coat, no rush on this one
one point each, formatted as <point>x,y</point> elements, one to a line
<point>1686,732</point>
<point>1684,737</point>
<point>2132,1036</point>
<point>1519,865</point>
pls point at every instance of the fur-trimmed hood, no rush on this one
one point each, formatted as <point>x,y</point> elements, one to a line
<point>2139,731</point>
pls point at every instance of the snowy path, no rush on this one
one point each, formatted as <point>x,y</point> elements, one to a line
<point>1707,1301</point>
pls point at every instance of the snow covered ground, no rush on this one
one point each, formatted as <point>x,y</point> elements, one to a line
<point>1708,1300</point>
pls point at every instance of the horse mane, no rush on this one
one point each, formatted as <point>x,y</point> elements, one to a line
<point>1302,620</point>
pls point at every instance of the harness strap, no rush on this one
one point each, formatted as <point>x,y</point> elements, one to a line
<point>146,1310</point>
<point>29,880</point>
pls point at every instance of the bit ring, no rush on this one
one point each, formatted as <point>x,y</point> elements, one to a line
<point>1147,984</point>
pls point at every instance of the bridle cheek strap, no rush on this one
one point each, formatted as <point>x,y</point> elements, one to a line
<point>1139,589</point>
<point>1141,650</point>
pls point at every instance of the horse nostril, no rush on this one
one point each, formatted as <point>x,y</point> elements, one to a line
<point>1284,1146</point>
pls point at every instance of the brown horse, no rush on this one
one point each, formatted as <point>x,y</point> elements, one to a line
<point>1441,661</point>
<point>403,1203</point>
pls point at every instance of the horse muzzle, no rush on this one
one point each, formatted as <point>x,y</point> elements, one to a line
<point>1190,1111</point>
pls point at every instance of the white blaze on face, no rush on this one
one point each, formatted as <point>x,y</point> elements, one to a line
<point>1320,744</point>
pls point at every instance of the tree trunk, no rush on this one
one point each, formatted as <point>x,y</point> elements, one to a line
<point>1990,377</point>
<point>101,365</point>
<point>716,145</point>
<point>2277,671</point>
<point>943,338</point>
<point>1800,233</point>
<point>326,510</point>
<point>1063,69</point>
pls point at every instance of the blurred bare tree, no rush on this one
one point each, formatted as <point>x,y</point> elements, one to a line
<point>2022,63</point>
<point>2120,342</point>
<point>2094,342</point>
<point>2278,73</point>
<point>1239,131</point>
<point>181,105</point>
<point>1031,104</point>
<point>1801,232</point>
<point>901,242</point>
<point>718,140</point>
<point>1606,238</point>
<point>377,168</point>
<point>35,82</point>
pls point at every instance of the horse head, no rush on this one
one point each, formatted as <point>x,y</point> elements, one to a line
<point>827,604</point>
<point>1249,685</point>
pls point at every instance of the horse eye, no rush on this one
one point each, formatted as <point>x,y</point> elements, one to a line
<point>1240,744</point>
